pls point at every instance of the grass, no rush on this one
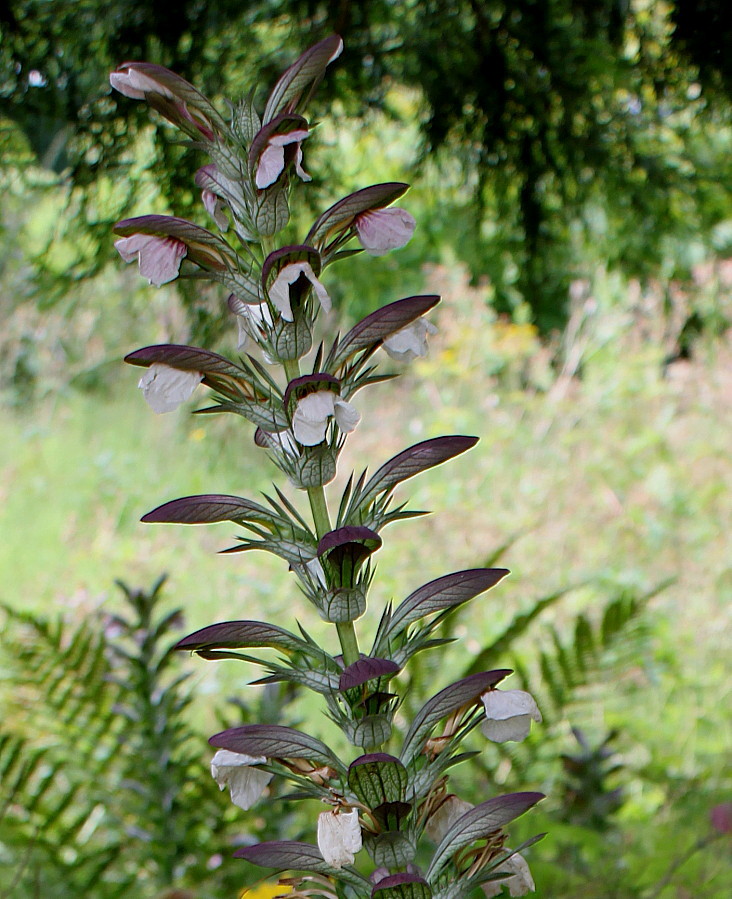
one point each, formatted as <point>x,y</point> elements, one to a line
<point>623,478</point>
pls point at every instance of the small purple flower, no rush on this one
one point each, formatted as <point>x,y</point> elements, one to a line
<point>721,817</point>
<point>381,230</point>
<point>273,160</point>
<point>159,257</point>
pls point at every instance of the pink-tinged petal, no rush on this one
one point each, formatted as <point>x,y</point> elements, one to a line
<point>165,388</point>
<point>299,170</point>
<point>410,341</point>
<point>215,208</point>
<point>381,230</point>
<point>135,85</point>
<point>346,416</point>
<point>279,291</point>
<point>271,165</point>
<point>159,257</point>
<point>291,137</point>
<point>209,199</point>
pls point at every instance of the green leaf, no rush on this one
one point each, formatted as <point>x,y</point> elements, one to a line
<point>449,700</point>
<point>288,855</point>
<point>478,823</point>
<point>240,634</point>
<point>275,741</point>
<point>306,71</point>
<point>446,592</point>
<point>379,325</point>
<point>207,509</point>
<point>412,461</point>
<point>340,215</point>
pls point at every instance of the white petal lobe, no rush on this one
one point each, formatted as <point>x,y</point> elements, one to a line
<point>233,769</point>
<point>339,837</point>
<point>165,388</point>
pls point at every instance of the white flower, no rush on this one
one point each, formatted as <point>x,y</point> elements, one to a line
<point>339,837</point>
<point>279,292</point>
<point>519,884</point>
<point>135,84</point>
<point>508,715</point>
<point>233,769</point>
<point>252,321</point>
<point>272,161</point>
<point>310,421</point>
<point>159,257</point>
<point>440,821</point>
<point>165,388</point>
<point>410,341</point>
<point>381,230</point>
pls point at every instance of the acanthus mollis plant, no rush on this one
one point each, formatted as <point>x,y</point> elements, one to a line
<point>394,809</point>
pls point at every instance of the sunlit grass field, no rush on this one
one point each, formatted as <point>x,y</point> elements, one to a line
<point>620,478</point>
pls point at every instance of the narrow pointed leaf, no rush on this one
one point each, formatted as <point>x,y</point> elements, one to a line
<point>478,823</point>
<point>307,70</point>
<point>444,593</point>
<point>445,702</point>
<point>341,214</point>
<point>240,634</point>
<point>187,358</point>
<point>380,324</point>
<point>207,509</point>
<point>289,855</point>
<point>412,461</point>
<point>274,741</point>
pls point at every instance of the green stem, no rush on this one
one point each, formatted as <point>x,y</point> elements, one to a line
<point>321,518</point>
<point>292,369</point>
<point>346,630</point>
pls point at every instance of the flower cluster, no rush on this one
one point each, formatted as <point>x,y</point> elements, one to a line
<point>297,395</point>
